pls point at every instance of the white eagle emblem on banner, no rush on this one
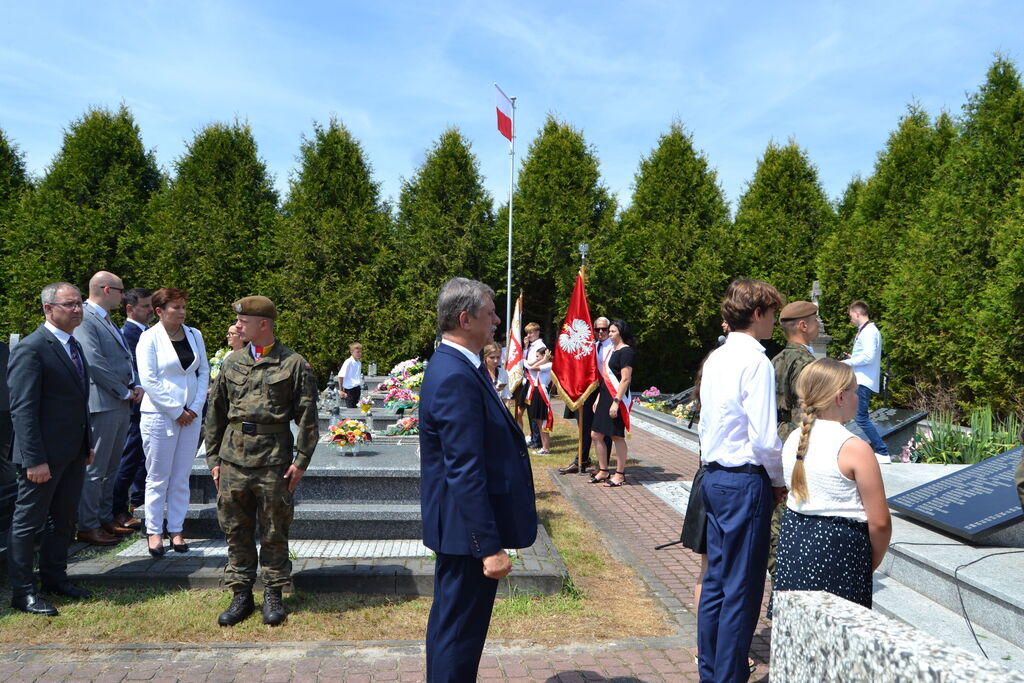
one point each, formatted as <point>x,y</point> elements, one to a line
<point>576,339</point>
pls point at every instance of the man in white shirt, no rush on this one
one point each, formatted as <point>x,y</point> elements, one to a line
<point>866,361</point>
<point>744,480</point>
<point>350,377</point>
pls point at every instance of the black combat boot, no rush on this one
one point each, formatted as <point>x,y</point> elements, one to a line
<point>274,612</point>
<point>242,605</point>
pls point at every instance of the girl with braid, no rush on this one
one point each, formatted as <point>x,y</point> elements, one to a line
<point>836,527</point>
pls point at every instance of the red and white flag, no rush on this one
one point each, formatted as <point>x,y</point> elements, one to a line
<point>514,347</point>
<point>504,106</point>
<point>575,366</point>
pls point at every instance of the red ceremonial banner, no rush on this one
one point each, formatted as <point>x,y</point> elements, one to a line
<point>574,369</point>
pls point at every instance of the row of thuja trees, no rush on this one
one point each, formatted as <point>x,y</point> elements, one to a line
<point>932,239</point>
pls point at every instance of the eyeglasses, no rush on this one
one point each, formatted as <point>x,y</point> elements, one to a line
<point>69,305</point>
<point>600,329</point>
<point>119,289</point>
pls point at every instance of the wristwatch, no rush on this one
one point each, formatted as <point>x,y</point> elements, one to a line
<point>616,400</point>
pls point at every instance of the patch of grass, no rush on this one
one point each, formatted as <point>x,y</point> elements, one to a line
<point>579,612</point>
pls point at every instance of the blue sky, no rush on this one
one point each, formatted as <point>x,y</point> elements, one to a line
<point>835,76</point>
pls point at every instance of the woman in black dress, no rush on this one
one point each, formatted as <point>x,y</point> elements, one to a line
<point>607,420</point>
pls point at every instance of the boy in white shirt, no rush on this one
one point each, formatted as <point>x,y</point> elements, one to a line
<point>350,377</point>
<point>743,481</point>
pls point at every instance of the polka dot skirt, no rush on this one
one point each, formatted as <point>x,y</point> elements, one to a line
<point>818,553</point>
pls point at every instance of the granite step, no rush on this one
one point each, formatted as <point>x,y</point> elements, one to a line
<point>946,570</point>
<point>332,521</point>
<point>939,567</point>
<point>896,600</point>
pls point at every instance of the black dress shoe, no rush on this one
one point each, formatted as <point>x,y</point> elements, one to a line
<point>158,552</point>
<point>179,547</point>
<point>67,589</point>
<point>573,468</point>
<point>33,604</point>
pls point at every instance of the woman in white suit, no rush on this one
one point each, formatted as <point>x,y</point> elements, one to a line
<point>175,373</point>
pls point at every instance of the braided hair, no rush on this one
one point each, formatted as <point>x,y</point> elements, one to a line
<point>817,387</point>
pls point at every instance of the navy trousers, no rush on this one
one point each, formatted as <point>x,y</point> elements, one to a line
<point>130,485</point>
<point>459,618</point>
<point>739,512</point>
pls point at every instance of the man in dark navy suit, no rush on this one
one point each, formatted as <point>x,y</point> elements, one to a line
<point>476,490</point>
<point>130,485</point>
<point>49,383</point>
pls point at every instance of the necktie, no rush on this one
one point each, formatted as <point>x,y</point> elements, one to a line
<point>76,359</point>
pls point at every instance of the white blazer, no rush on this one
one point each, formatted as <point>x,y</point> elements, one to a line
<point>169,388</point>
<point>866,358</point>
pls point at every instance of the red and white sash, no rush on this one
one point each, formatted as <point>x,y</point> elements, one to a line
<point>612,384</point>
<point>533,376</point>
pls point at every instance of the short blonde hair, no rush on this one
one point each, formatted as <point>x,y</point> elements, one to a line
<point>531,327</point>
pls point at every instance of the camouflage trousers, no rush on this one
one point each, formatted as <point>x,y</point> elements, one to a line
<point>245,495</point>
<point>774,546</point>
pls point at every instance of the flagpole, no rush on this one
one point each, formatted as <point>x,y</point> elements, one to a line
<point>511,183</point>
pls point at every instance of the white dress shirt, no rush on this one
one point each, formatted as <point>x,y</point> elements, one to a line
<point>737,408</point>
<point>351,373</point>
<point>62,336</point>
<point>470,356</point>
<point>543,372</point>
<point>866,359</point>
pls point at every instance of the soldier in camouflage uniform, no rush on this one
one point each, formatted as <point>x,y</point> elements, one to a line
<point>799,320</point>
<point>260,389</point>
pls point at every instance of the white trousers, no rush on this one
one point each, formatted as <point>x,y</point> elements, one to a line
<point>170,451</point>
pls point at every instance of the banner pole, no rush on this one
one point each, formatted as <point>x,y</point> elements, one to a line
<point>511,185</point>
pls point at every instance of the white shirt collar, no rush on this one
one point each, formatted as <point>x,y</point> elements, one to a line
<point>61,335</point>
<point>743,339</point>
<point>136,322</point>
<point>470,356</point>
<point>102,312</point>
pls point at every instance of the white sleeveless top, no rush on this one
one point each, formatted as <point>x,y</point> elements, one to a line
<point>829,492</point>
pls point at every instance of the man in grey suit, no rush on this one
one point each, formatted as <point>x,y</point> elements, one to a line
<point>49,383</point>
<point>113,387</point>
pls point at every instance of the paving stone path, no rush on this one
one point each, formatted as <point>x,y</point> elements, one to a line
<point>632,519</point>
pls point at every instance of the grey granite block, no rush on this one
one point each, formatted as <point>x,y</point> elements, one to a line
<point>817,636</point>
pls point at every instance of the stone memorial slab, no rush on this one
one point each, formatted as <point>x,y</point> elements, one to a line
<point>971,502</point>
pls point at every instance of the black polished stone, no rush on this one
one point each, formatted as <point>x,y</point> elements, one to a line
<point>970,502</point>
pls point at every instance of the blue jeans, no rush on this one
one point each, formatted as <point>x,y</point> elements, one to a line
<point>865,423</point>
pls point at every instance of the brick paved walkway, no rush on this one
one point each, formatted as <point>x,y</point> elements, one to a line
<point>633,520</point>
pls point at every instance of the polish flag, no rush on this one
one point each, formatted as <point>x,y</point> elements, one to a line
<point>504,105</point>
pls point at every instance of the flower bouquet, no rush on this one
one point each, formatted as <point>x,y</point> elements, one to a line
<point>407,426</point>
<point>407,368</point>
<point>399,397</point>
<point>684,411</point>
<point>390,383</point>
<point>349,435</point>
<point>365,405</point>
<point>649,395</point>
<point>217,361</point>
<point>413,381</point>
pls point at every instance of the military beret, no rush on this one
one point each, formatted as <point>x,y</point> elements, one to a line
<point>256,305</point>
<point>795,310</point>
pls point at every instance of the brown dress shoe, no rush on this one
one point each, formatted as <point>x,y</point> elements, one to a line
<point>125,520</point>
<point>97,537</point>
<point>116,530</point>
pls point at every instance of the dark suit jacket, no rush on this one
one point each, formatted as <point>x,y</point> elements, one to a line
<point>5,393</point>
<point>49,405</point>
<point>476,489</point>
<point>131,333</point>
